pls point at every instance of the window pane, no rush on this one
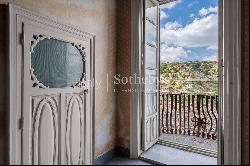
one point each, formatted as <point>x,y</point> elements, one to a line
<point>151,57</point>
<point>151,33</point>
<point>151,103</point>
<point>150,83</point>
<point>151,11</point>
<point>57,64</point>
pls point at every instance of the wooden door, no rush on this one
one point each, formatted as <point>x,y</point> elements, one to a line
<point>56,109</point>
<point>150,68</point>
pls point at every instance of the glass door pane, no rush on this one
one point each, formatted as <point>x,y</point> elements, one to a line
<point>151,74</point>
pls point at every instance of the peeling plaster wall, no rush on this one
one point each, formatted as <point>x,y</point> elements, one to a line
<point>97,17</point>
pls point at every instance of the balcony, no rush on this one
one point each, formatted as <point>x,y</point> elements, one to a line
<point>189,122</point>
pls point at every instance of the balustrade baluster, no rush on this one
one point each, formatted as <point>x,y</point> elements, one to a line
<point>171,114</point>
<point>212,110</point>
<point>162,113</point>
<point>198,117</point>
<point>184,113</point>
<point>175,114</point>
<point>204,117</point>
<point>210,117</point>
<point>198,120</point>
<point>194,116</point>
<point>188,114</point>
<point>180,131</point>
<point>167,115</point>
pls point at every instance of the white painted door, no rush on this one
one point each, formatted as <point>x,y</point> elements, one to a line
<point>150,68</point>
<point>56,111</point>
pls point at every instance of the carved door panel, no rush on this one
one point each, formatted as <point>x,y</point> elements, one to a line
<point>55,97</point>
<point>150,122</point>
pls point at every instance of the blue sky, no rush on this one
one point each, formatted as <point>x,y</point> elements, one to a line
<point>189,30</point>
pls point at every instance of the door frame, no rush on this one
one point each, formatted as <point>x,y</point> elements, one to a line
<point>16,14</point>
<point>137,24</point>
<point>229,66</point>
<point>230,110</point>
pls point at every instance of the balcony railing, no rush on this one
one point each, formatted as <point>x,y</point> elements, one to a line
<point>189,114</point>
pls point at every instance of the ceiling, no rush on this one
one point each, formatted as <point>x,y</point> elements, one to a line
<point>165,1</point>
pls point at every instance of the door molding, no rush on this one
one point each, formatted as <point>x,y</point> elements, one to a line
<point>17,14</point>
<point>136,96</point>
<point>230,41</point>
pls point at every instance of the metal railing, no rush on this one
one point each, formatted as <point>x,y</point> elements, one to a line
<point>189,114</point>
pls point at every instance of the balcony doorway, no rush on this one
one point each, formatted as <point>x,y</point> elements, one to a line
<point>181,51</point>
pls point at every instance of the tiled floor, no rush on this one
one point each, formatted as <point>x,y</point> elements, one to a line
<point>171,156</point>
<point>126,161</point>
<point>191,140</point>
<point>160,154</point>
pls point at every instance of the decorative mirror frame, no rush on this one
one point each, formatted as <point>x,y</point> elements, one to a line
<point>38,38</point>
